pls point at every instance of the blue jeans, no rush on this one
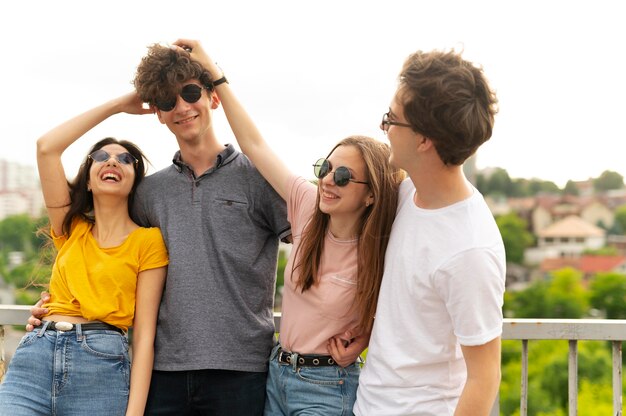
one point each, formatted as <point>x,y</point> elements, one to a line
<point>206,392</point>
<point>67,373</point>
<point>328,391</point>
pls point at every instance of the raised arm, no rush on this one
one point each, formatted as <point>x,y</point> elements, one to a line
<point>51,146</point>
<point>248,136</point>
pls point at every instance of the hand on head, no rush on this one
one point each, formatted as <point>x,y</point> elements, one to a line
<point>197,53</point>
<point>131,103</point>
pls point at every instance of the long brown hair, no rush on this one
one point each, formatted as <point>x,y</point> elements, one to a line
<point>376,222</point>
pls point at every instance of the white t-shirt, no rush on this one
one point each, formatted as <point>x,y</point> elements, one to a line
<point>443,286</point>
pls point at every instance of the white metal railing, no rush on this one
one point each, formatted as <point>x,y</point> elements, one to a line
<point>572,330</point>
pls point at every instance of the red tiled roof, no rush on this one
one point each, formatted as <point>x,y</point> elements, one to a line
<point>587,264</point>
<point>557,263</point>
<point>595,264</point>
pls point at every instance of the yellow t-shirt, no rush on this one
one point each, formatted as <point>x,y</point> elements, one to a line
<point>99,283</point>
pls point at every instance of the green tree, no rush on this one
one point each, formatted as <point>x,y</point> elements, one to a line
<point>531,302</point>
<point>608,294</point>
<point>571,188</point>
<point>19,233</point>
<point>499,182</point>
<point>537,186</point>
<point>620,218</point>
<point>567,297</point>
<point>515,235</point>
<point>608,180</point>
<point>560,296</point>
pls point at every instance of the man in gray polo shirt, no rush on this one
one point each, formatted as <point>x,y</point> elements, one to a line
<point>222,223</point>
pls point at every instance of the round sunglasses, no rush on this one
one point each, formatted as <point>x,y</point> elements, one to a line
<point>102,156</point>
<point>341,176</point>
<point>191,93</point>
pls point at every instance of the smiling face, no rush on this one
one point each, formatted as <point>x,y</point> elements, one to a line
<point>190,121</point>
<point>350,200</point>
<point>110,177</point>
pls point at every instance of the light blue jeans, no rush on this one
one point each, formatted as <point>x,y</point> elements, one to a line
<point>328,391</point>
<point>67,373</point>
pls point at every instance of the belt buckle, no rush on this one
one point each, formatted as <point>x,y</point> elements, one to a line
<point>63,326</point>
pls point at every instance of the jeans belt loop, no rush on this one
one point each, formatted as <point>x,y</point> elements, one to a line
<point>294,361</point>
<point>79,332</point>
<point>42,328</point>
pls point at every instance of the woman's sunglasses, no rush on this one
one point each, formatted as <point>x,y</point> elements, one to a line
<point>191,93</point>
<point>102,156</point>
<point>342,174</point>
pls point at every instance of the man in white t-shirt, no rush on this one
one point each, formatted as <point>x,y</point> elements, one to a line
<point>435,345</point>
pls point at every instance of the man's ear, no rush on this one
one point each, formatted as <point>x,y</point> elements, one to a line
<point>424,143</point>
<point>215,100</point>
<point>158,113</point>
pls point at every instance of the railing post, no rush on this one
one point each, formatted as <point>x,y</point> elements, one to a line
<point>572,393</point>
<point>617,378</point>
<point>523,407</point>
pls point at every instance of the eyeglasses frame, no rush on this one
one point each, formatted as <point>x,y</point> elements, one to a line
<point>386,123</point>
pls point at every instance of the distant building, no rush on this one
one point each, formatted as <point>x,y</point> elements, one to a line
<point>20,191</point>
<point>589,265</point>
<point>568,237</point>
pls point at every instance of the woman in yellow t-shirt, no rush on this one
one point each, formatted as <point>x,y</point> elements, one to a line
<point>108,275</point>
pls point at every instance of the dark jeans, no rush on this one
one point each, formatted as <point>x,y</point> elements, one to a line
<point>206,392</point>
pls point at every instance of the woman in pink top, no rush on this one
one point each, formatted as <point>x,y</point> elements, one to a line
<point>340,230</point>
<point>108,274</point>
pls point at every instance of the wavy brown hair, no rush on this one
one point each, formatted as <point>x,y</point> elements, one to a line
<point>163,69</point>
<point>448,100</point>
<point>375,228</point>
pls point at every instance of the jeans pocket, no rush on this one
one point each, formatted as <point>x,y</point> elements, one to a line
<point>105,345</point>
<point>328,376</point>
<point>28,339</point>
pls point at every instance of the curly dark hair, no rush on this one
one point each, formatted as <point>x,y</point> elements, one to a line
<point>81,200</point>
<point>448,100</point>
<point>163,69</point>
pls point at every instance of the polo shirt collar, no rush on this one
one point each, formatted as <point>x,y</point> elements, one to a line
<point>223,158</point>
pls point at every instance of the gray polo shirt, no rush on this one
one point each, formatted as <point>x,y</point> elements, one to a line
<point>222,231</point>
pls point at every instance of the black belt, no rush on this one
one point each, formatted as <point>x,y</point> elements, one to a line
<point>285,357</point>
<point>67,326</point>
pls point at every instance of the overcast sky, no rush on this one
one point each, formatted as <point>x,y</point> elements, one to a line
<point>313,72</point>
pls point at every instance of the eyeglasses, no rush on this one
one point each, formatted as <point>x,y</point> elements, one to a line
<point>191,93</point>
<point>342,174</point>
<point>384,125</point>
<point>102,156</point>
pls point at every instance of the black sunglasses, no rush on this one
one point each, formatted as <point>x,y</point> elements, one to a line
<point>342,174</point>
<point>102,156</point>
<point>190,93</point>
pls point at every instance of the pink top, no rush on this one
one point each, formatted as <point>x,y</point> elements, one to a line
<point>326,309</point>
